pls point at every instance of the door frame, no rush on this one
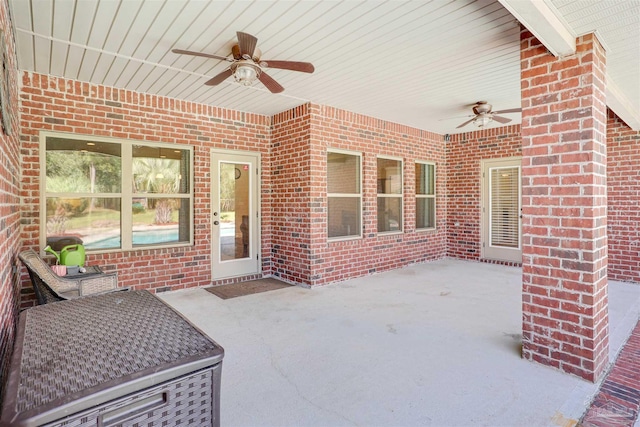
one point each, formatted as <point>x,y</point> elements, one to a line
<point>485,209</point>
<point>255,238</point>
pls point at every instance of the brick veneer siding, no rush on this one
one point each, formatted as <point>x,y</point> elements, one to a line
<point>9,205</point>
<point>565,320</point>
<point>339,260</point>
<point>464,153</point>
<point>623,197</point>
<point>61,105</point>
<point>289,189</point>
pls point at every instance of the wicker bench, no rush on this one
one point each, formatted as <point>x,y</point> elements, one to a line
<point>49,287</point>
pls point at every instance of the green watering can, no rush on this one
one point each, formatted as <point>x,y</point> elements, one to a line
<point>69,255</point>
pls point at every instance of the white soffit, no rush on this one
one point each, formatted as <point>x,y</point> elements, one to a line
<point>544,23</point>
<point>557,23</point>
<point>419,63</point>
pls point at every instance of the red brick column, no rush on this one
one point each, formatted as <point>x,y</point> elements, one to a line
<point>564,202</point>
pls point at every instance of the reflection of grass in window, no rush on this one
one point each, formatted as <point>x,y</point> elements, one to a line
<point>109,218</point>
<point>86,220</point>
<point>227,216</point>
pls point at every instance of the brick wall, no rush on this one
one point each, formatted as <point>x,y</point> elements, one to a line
<point>464,153</point>
<point>564,203</point>
<point>9,205</point>
<point>623,196</point>
<point>339,129</point>
<point>290,185</point>
<point>56,104</point>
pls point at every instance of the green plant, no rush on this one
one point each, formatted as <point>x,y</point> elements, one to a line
<point>56,224</point>
<point>137,208</point>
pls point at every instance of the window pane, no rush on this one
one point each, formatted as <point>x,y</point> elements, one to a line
<point>234,188</point>
<point>505,207</point>
<point>344,216</point>
<point>160,220</point>
<point>425,179</point>
<point>425,212</point>
<point>79,166</point>
<point>389,214</point>
<point>389,176</point>
<point>160,170</point>
<point>343,173</point>
<point>95,221</point>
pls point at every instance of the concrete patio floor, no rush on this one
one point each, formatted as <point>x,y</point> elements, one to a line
<point>435,344</point>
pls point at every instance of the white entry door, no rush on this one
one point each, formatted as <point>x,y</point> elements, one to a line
<point>501,211</point>
<point>234,214</point>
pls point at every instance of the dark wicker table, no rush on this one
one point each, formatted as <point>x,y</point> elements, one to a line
<point>124,359</point>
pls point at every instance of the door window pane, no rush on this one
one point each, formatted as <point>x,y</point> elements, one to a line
<point>234,185</point>
<point>505,207</point>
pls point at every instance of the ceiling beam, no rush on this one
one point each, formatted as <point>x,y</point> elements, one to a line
<point>622,105</point>
<point>543,22</point>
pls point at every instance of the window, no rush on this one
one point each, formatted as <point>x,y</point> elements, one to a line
<point>504,206</point>
<point>389,195</point>
<point>114,194</point>
<point>344,195</point>
<point>425,195</point>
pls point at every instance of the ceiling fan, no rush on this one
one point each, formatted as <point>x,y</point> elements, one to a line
<point>483,115</point>
<point>247,64</point>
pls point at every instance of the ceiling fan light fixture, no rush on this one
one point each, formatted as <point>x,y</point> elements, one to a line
<point>482,120</point>
<point>246,73</point>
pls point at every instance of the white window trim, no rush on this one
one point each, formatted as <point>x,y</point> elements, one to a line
<point>126,192</point>
<point>354,195</point>
<point>401,195</point>
<point>429,196</point>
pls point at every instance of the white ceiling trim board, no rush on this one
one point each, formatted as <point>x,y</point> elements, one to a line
<point>621,105</point>
<point>543,22</point>
<point>145,62</point>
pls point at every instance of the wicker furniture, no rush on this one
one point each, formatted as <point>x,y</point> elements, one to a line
<point>123,358</point>
<point>49,287</point>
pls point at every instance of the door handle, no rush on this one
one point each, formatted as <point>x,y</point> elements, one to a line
<point>216,222</point>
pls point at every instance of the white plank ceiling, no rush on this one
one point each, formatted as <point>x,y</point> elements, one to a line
<point>421,63</point>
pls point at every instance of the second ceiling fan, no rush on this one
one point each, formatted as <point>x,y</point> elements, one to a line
<point>247,64</point>
<point>483,115</point>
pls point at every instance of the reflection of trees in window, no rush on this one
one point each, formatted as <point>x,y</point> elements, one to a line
<point>83,189</point>
<point>78,171</point>
<point>160,176</point>
<point>227,187</point>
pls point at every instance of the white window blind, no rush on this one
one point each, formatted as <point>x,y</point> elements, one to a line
<point>505,207</point>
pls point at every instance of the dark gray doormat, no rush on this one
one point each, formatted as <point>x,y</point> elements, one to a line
<point>247,288</point>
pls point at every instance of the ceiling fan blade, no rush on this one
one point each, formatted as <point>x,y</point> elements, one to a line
<point>204,55</point>
<point>456,117</point>
<point>510,110</point>
<point>501,119</point>
<point>466,123</point>
<point>247,43</point>
<point>216,80</point>
<point>271,84</point>
<point>305,67</point>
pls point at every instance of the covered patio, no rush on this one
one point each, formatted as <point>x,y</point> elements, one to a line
<point>430,344</point>
<point>443,250</point>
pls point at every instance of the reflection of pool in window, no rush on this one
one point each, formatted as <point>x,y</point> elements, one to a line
<point>140,237</point>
